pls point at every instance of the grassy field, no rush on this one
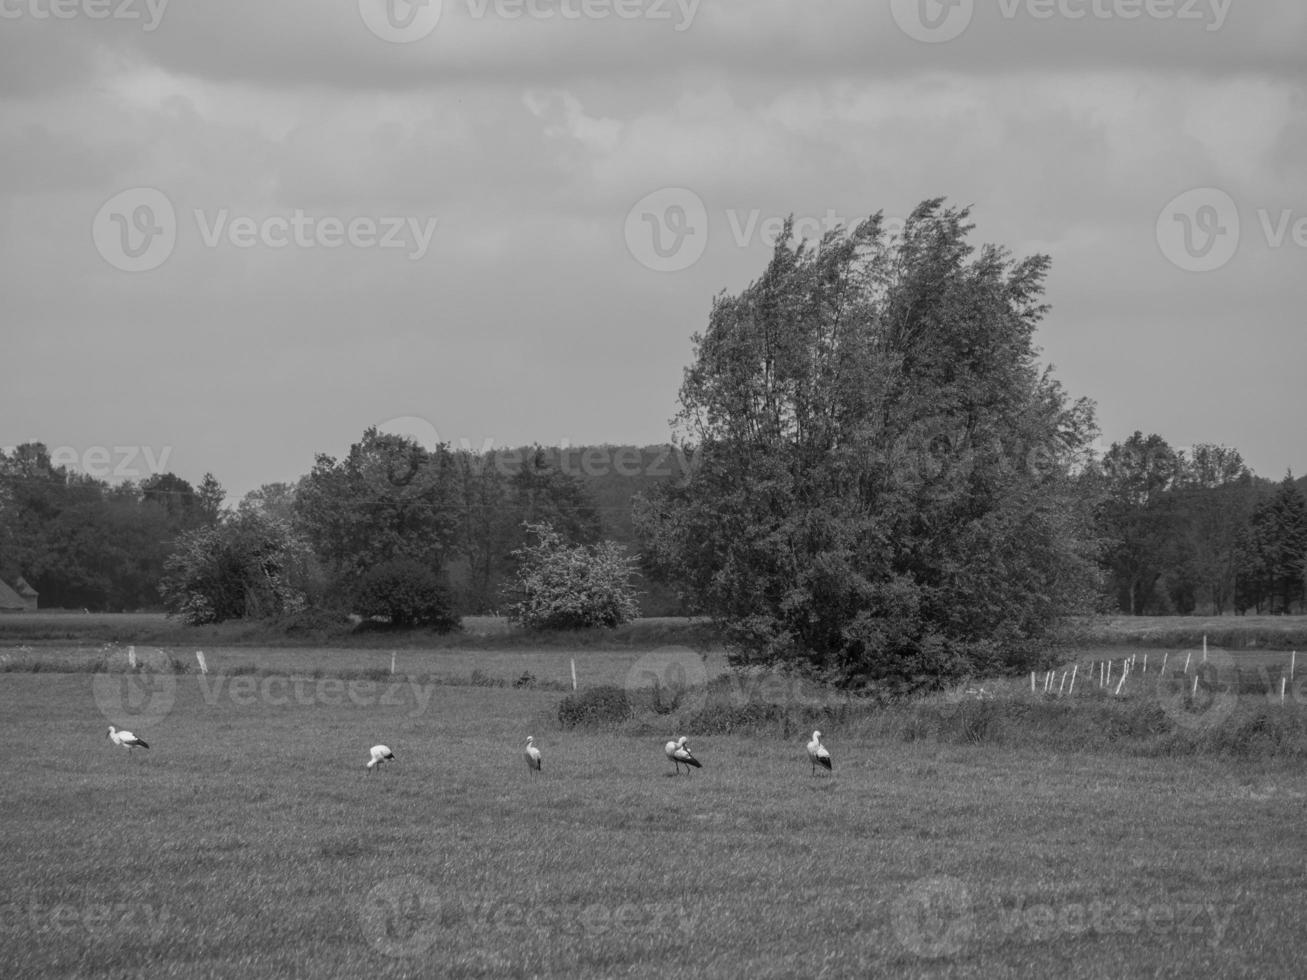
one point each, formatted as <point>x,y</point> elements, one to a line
<point>248,842</point>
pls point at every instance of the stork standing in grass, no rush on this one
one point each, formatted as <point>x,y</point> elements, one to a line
<point>817,753</point>
<point>680,755</point>
<point>126,739</point>
<point>532,754</point>
<point>380,754</point>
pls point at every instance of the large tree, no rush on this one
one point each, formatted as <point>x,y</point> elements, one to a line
<point>885,482</point>
<point>1138,518</point>
<point>389,499</point>
<point>1273,552</point>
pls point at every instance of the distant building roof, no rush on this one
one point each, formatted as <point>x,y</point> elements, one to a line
<point>9,599</point>
<point>24,589</point>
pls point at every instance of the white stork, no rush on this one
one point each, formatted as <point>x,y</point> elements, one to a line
<point>126,739</point>
<point>680,755</point>
<point>817,753</point>
<point>532,754</point>
<point>380,753</point>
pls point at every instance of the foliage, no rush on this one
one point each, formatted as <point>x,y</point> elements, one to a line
<point>565,586</point>
<point>1171,523</point>
<point>234,569</point>
<point>408,594</point>
<point>389,499</point>
<point>84,543</point>
<point>594,707</point>
<point>504,491</point>
<point>885,488</point>
<point>1272,554</point>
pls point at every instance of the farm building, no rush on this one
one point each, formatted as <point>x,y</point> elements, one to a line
<point>21,598</point>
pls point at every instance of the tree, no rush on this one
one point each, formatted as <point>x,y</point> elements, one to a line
<point>884,488</point>
<point>1214,493</point>
<point>1138,518</point>
<point>234,569</point>
<point>407,594</point>
<point>79,541</point>
<point>563,586</point>
<point>388,499</point>
<point>1273,552</point>
<point>208,499</point>
<point>272,500</point>
<point>503,492</point>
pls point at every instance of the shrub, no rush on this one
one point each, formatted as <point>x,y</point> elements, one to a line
<point>408,594</point>
<point>234,569</point>
<point>313,620</point>
<point>564,587</point>
<point>596,706</point>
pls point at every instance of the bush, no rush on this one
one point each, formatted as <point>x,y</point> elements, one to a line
<point>234,569</point>
<point>595,707</point>
<point>564,587</point>
<point>315,620</point>
<point>408,594</point>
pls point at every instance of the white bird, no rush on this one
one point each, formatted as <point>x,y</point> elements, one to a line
<point>126,739</point>
<point>680,755</point>
<point>817,753</point>
<point>380,753</point>
<point>532,754</point>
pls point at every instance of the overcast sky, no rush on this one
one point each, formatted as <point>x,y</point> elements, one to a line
<point>234,233</point>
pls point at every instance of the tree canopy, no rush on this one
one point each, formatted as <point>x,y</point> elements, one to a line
<point>886,488</point>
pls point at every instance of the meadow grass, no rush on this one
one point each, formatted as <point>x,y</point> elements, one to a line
<point>249,842</point>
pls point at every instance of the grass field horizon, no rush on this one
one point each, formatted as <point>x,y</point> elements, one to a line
<point>492,632</point>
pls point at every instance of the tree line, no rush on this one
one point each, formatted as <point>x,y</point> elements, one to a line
<point>462,515</point>
<point>872,477</point>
